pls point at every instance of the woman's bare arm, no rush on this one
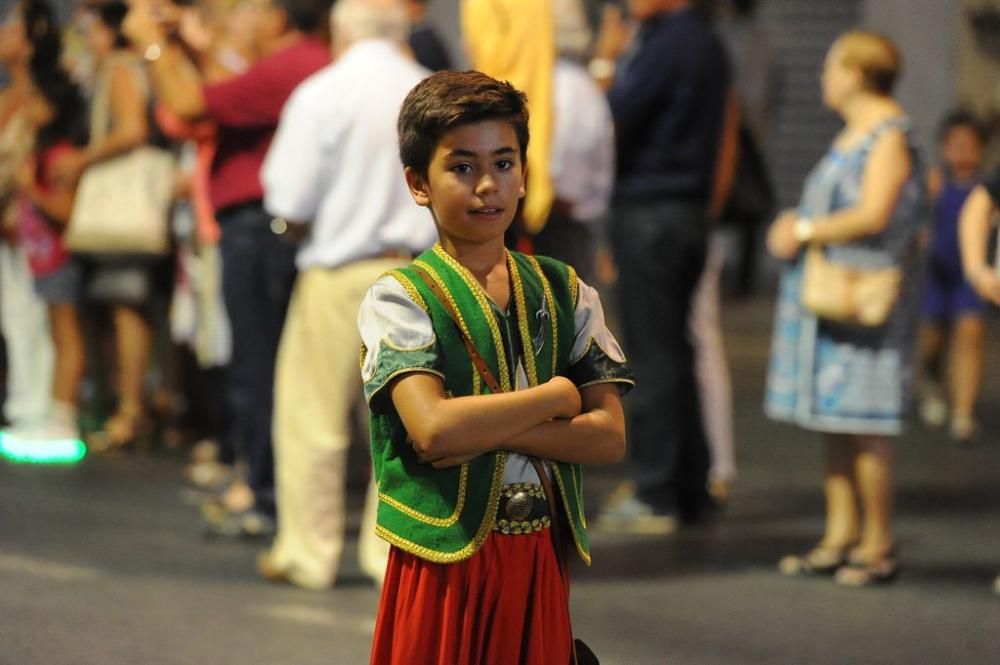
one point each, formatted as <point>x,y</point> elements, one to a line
<point>973,233</point>
<point>886,172</point>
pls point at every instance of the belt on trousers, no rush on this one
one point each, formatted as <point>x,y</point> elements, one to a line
<point>522,509</point>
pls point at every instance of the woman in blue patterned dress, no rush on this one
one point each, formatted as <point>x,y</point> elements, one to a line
<point>863,204</point>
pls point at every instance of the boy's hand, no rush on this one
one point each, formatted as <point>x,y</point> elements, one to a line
<point>566,396</point>
<point>449,462</point>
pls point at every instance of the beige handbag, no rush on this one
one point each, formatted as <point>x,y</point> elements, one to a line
<point>840,293</point>
<point>122,204</point>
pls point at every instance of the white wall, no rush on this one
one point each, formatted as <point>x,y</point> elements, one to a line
<point>927,33</point>
<point>444,16</point>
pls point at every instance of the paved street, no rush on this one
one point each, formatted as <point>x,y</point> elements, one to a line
<point>104,564</point>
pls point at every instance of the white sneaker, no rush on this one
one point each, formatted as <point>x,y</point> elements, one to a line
<point>50,429</point>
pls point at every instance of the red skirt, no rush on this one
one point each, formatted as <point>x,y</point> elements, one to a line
<point>505,605</point>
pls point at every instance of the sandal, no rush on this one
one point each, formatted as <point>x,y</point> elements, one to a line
<point>820,560</point>
<point>858,573</point>
<point>121,430</point>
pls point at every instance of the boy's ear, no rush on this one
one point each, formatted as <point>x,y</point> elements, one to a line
<point>419,189</point>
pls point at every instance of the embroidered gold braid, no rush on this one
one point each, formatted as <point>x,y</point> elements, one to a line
<point>476,381</point>
<point>577,471</point>
<point>572,524</point>
<point>477,540</point>
<point>553,311</point>
<point>574,286</point>
<point>477,292</point>
<point>463,483</point>
<point>522,323</point>
<point>411,290</point>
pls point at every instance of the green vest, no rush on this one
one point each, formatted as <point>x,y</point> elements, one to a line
<point>445,515</point>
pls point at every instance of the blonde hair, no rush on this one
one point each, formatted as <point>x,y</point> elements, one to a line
<point>874,56</point>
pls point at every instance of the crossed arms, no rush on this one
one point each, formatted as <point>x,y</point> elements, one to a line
<point>554,421</point>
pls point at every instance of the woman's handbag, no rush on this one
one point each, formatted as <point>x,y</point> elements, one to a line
<point>844,294</point>
<point>122,204</point>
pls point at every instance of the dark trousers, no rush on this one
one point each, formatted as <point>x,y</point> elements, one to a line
<point>258,272</point>
<point>660,251</point>
<point>571,242</point>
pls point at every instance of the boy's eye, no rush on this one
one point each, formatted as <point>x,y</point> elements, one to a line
<point>505,164</point>
<point>462,168</point>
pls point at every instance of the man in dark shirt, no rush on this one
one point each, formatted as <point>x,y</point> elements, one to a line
<point>425,42</point>
<point>258,267</point>
<point>668,94</point>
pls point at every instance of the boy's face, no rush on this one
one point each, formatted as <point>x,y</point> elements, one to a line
<point>962,151</point>
<point>474,181</point>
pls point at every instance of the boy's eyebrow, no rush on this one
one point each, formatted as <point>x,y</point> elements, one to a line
<point>461,152</point>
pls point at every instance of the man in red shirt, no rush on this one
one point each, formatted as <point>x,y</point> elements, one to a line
<point>258,267</point>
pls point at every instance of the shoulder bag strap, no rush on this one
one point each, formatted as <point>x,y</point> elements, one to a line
<point>543,476</point>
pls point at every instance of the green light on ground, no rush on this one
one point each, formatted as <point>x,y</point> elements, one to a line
<point>51,451</point>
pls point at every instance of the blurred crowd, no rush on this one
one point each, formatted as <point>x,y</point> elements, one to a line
<point>196,196</point>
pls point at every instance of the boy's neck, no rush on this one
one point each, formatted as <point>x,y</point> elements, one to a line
<point>478,258</point>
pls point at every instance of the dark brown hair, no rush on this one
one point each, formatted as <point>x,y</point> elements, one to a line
<point>962,118</point>
<point>448,100</point>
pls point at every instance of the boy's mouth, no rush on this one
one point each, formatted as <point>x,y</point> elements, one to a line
<point>487,213</point>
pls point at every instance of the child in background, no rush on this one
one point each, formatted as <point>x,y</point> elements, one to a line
<point>476,363</point>
<point>951,307</point>
<point>57,112</point>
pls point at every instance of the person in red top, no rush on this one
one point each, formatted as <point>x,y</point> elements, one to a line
<point>258,266</point>
<point>57,113</point>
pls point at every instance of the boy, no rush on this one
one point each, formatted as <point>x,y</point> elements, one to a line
<point>474,575</point>
<point>951,305</point>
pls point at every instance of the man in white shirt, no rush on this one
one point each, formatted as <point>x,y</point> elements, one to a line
<point>583,149</point>
<point>332,177</point>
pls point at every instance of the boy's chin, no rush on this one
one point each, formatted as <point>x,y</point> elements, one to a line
<point>477,231</point>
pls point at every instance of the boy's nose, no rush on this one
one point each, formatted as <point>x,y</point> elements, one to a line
<point>486,184</point>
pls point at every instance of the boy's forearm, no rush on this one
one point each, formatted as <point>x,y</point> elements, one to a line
<point>471,425</point>
<point>590,438</point>
<point>481,423</point>
<point>596,436</point>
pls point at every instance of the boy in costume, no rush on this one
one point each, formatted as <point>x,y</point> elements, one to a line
<point>474,574</point>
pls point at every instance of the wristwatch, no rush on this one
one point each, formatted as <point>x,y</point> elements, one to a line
<point>803,230</point>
